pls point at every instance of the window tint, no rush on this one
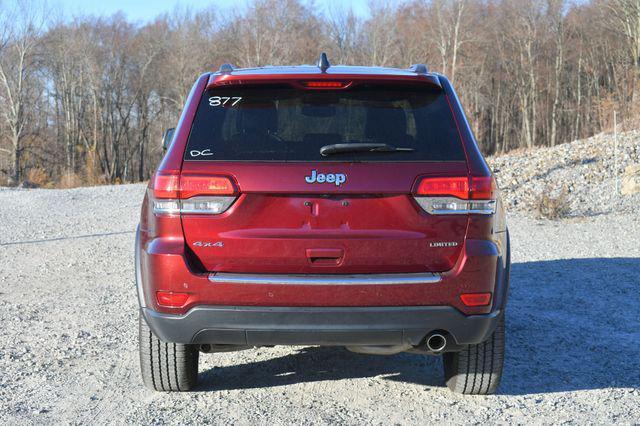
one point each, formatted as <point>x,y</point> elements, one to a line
<point>286,124</point>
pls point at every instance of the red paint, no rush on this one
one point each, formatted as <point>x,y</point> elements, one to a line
<point>281,224</point>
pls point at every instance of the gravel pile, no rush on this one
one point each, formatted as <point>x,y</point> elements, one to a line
<point>586,169</point>
<point>68,319</point>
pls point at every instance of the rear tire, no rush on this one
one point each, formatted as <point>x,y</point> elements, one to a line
<point>166,366</point>
<point>477,369</point>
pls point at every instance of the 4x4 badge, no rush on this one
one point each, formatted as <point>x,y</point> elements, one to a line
<point>336,178</point>
<point>208,244</point>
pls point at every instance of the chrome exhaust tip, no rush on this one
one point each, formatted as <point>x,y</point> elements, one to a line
<point>436,342</point>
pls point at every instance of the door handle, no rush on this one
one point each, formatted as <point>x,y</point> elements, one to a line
<point>325,256</point>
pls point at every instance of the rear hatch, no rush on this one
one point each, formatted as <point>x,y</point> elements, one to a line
<point>323,180</point>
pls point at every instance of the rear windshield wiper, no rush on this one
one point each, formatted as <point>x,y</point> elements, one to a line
<point>340,148</point>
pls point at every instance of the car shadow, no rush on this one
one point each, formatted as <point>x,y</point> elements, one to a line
<point>315,364</point>
<point>572,324</point>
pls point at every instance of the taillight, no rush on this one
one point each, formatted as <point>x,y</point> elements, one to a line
<point>166,185</point>
<point>482,188</point>
<point>191,185</point>
<point>173,193</point>
<point>441,186</point>
<point>456,195</point>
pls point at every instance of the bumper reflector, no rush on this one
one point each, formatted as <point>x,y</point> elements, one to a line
<point>171,299</point>
<point>476,299</point>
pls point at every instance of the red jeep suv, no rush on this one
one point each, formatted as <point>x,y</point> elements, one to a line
<point>323,205</point>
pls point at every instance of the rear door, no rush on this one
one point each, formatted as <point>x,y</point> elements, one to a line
<point>350,211</point>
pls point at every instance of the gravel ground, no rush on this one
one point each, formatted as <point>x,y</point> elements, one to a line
<point>68,351</point>
<point>589,170</point>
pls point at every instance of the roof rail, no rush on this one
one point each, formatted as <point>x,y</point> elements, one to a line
<point>226,69</point>
<point>323,62</point>
<point>419,68</point>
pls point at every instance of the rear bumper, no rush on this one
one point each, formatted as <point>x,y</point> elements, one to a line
<point>340,326</point>
<point>162,265</point>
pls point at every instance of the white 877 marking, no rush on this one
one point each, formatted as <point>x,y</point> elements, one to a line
<point>216,101</point>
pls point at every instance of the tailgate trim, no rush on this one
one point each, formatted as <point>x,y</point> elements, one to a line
<point>317,279</point>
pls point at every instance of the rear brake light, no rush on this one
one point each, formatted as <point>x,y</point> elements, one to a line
<point>476,299</point>
<point>473,188</point>
<point>191,185</point>
<point>192,194</point>
<point>457,195</point>
<point>171,299</point>
<point>440,186</point>
<point>166,185</point>
<point>325,84</point>
<point>173,185</point>
<point>482,188</point>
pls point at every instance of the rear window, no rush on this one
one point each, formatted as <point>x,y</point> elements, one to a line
<point>287,124</point>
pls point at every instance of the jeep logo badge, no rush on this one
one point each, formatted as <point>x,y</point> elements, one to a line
<point>336,178</point>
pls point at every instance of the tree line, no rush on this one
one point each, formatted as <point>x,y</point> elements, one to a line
<point>85,100</point>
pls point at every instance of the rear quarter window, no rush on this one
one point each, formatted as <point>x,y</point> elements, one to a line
<point>281,123</point>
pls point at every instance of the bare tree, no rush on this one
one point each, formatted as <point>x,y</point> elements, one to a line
<point>273,32</point>
<point>20,35</point>
<point>625,18</point>
<point>87,97</point>
<point>380,34</point>
<point>343,29</point>
<point>451,30</point>
<point>555,11</point>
